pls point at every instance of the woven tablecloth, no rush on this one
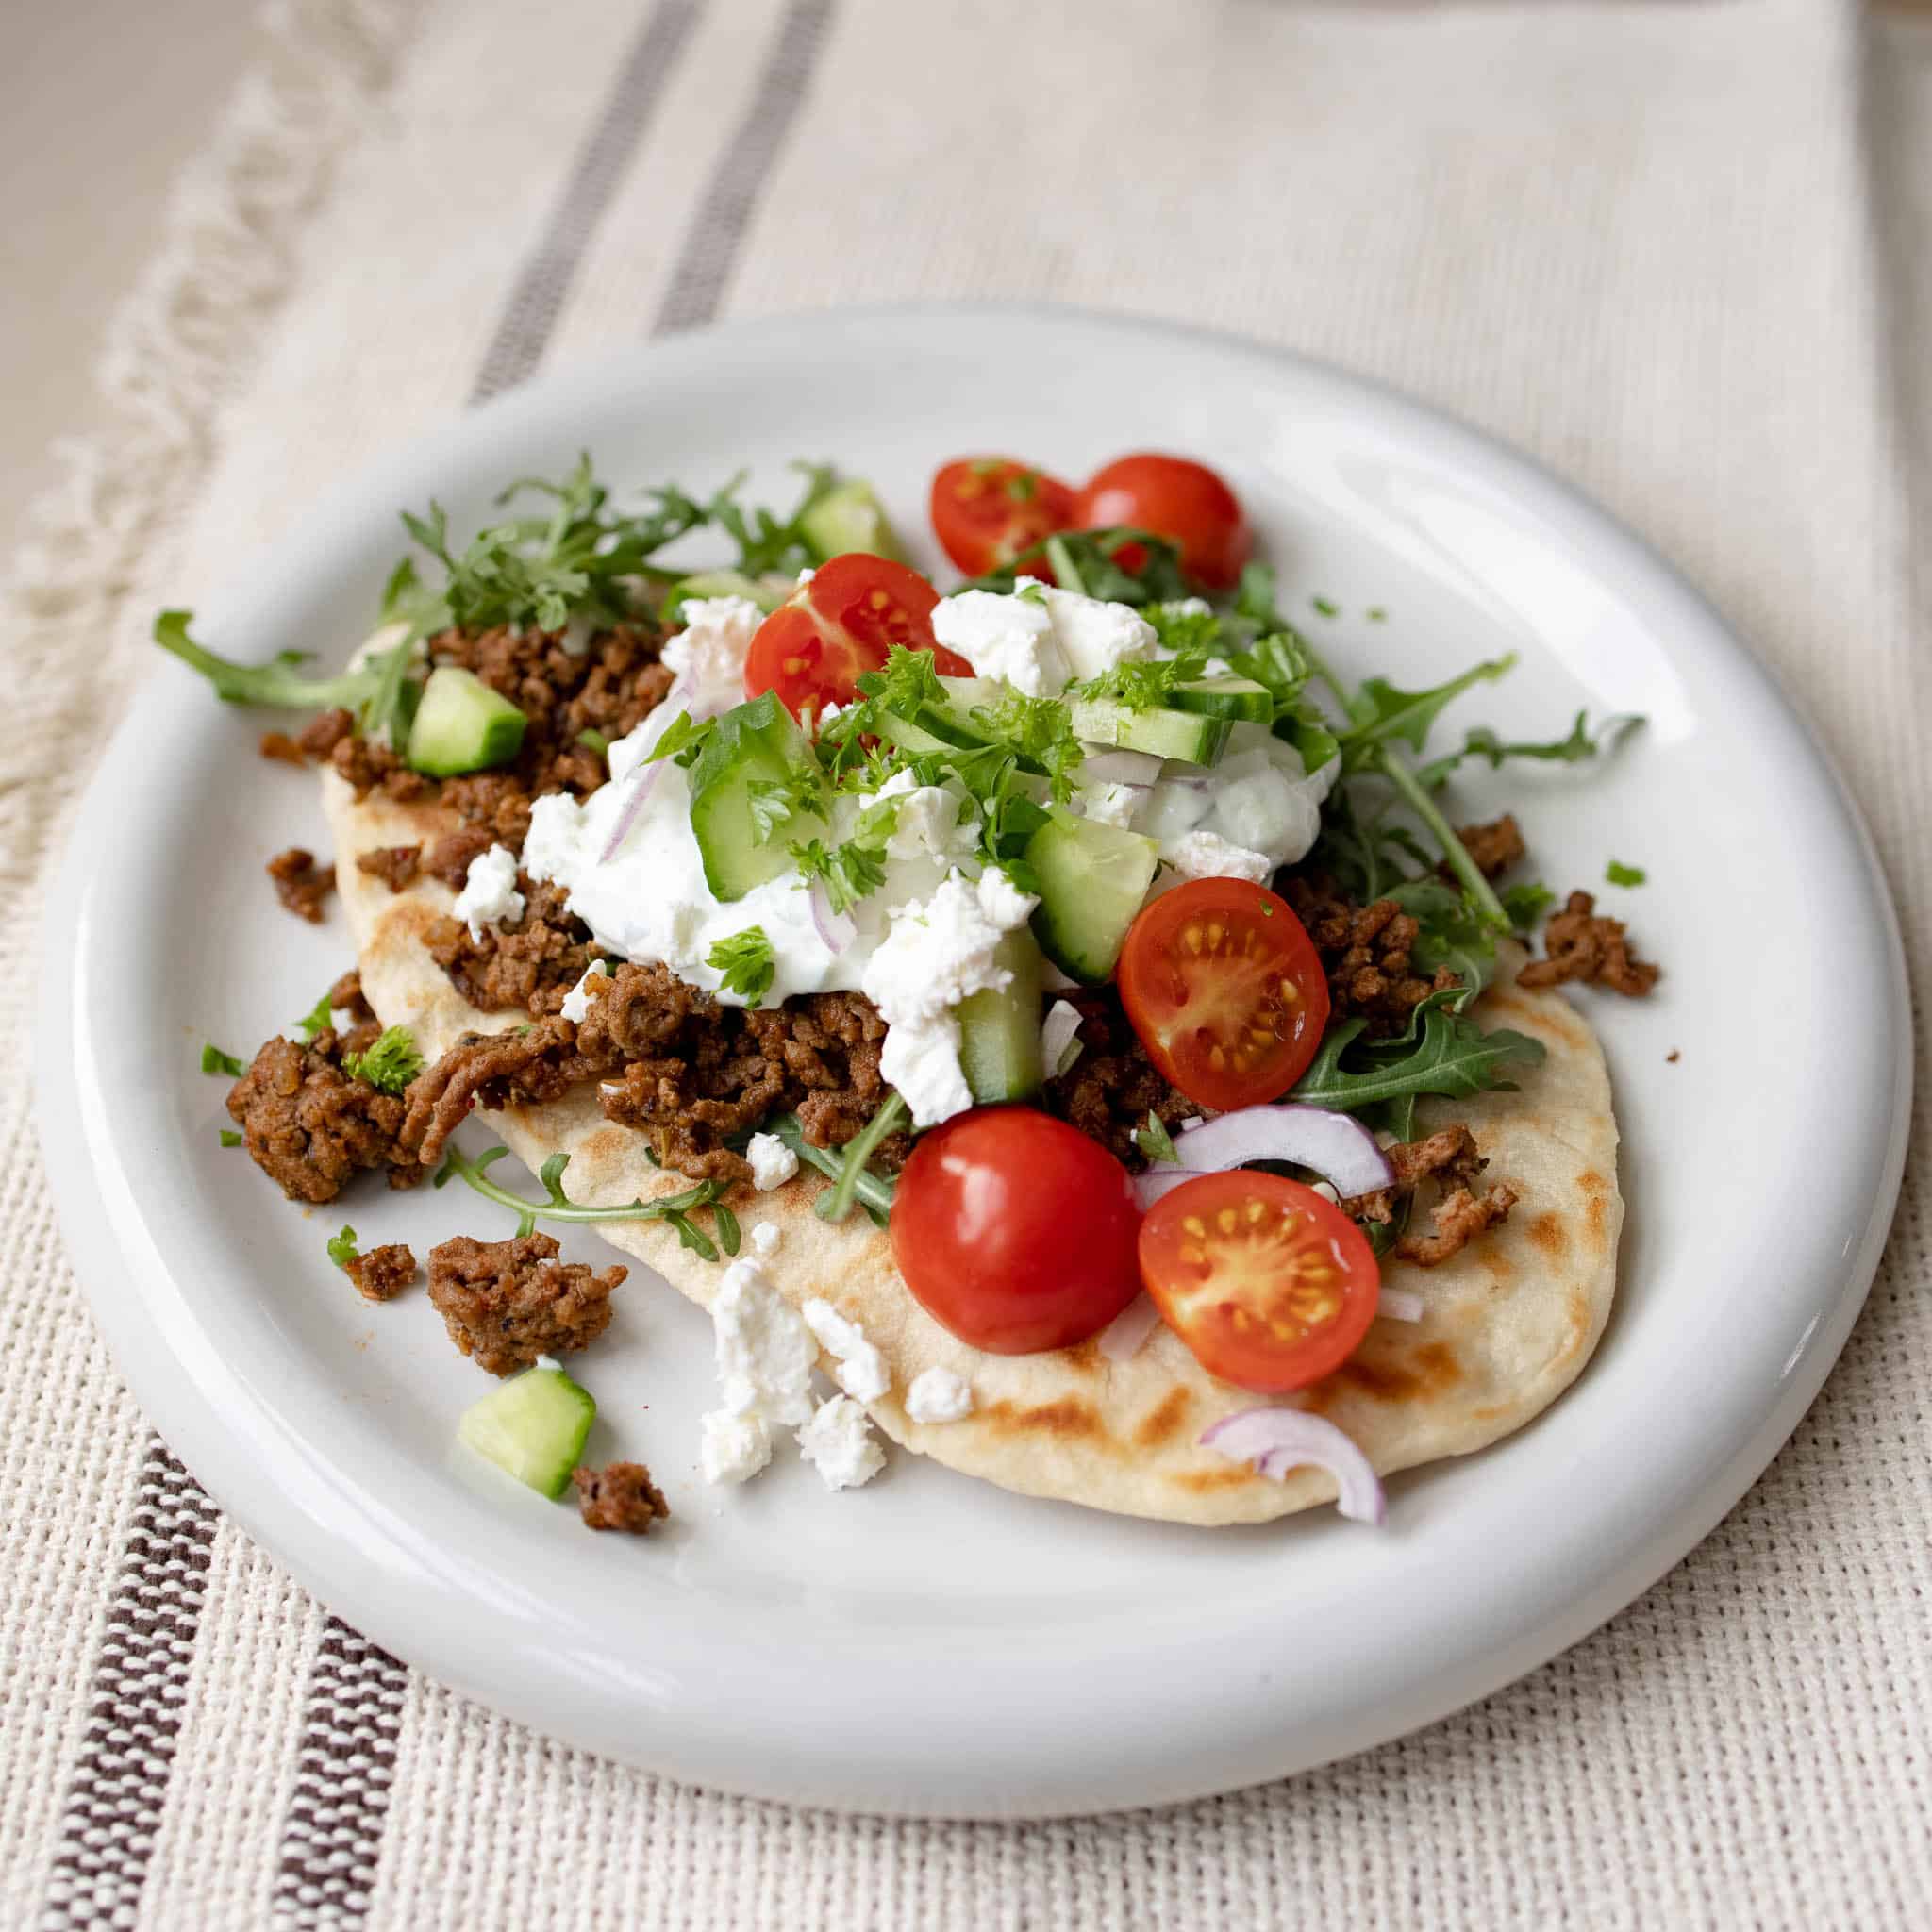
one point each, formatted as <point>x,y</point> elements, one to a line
<point>1679,251</point>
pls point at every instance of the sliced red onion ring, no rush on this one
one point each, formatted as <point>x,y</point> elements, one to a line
<point>1137,768</point>
<point>1060,1031</point>
<point>643,778</point>
<point>1124,1337</point>
<point>1400,1305</point>
<point>1336,1146</point>
<point>1278,1440</point>
<point>837,929</point>
<point>1161,1178</point>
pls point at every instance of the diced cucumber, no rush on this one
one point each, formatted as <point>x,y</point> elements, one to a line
<point>532,1426</point>
<point>754,755</point>
<point>1092,879</point>
<point>999,1028</point>
<point>911,738</point>
<point>1239,699</point>
<point>462,725</point>
<point>1185,735</point>
<point>767,592</point>
<point>849,518</point>
<point>964,693</point>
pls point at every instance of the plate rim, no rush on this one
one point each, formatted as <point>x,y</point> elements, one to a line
<point>136,1336</point>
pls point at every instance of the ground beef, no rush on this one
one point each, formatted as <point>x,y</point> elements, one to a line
<point>302,885</point>
<point>1496,846</point>
<point>674,1063</point>
<point>280,746</point>
<point>1110,1089</point>
<point>1580,945</point>
<point>382,1273</point>
<point>610,687</point>
<point>346,996</point>
<point>528,965</point>
<point>619,1496</point>
<point>507,1303</point>
<point>1365,953</point>
<point>450,858</point>
<point>395,865</point>
<point>309,1126</point>
<point>1449,1159</point>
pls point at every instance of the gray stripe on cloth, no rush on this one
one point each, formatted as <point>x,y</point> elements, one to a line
<point>139,1683</point>
<point>537,300</point>
<point>731,198</point>
<point>346,1762</point>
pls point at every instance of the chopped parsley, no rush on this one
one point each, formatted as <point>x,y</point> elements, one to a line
<point>390,1065</point>
<point>319,1017</point>
<point>1618,874</point>
<point>230,1138</point>
<point>213,1060</point>
<point>1325,607</point>
<point>746,962</point>
<point>343,1248</point>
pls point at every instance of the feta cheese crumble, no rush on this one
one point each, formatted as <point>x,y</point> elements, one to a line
<point>1201,855</point>
<point>577,1001</point>
<point>765,1356</point>
<point>1094,635</point>
<point>837,1442</point>
<point>732,1448</point>
<point>708,653</point>
<point>861,1369</point>
<point>773,1164</point>
<point>765,1237</point>
<point>1012,638</point>
<point>938,1395</point>
<point>490,895</point>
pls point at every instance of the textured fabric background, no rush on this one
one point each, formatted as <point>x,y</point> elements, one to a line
<point>1680,251</point>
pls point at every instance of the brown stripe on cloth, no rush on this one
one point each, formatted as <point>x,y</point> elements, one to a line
<point>731,198</point>
<point>346,1763</point>
<point>139,1679</point>
<point>538,298</point>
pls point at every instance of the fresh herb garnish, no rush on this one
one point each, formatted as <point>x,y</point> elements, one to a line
<point>343,1248</point>
<point>229,1138</point>
<point>1093,564</point>
<point>854,1156</point>
<point>681,741</point>
<point>1325,607</point>
<point>746,960</point>
<point>388,1065</point>
<point>318,1017</point>
<point>675,1210</point>
<point>1580,743</point>
<point>213,1060</point>
<point>594,741</point>
<point>774,803</point>
<point>1618,874</point>
<point>1156,1143</point>
<point>872,1191</point>
<point>1442,1052</point>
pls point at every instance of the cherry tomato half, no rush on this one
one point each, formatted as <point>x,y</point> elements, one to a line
<point>1226,990</point>
<point>1015,1230</point>
<point>813,649</point>
<point>1174,498</point>
<point>1271,1286</point>
<point>987,510</point>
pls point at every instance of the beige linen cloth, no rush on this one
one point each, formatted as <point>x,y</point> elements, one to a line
<point>1676,250</point>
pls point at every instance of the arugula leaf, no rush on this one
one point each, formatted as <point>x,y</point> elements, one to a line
<point>1618,874</point>
<point>213,1060</point>
<point>276,683</point>
<point>230,1138</point>
<point>343,1248</point>
<point>1381,713</point>
<point>390,1065</point>
<point>872,1191</point>
<point>1154,1141</point>
<point>746,960</point>
<point>1576,745</point>
<point>767,544</point>
<point>319,1016</point>
<point>558,1205</point>
<point>854,1159</point>
<point>1444,1052</point>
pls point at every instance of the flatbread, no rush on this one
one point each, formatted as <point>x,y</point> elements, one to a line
<point>1510,1322</point>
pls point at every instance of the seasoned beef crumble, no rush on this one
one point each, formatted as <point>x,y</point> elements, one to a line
<point>529,964</point>
<point>1365,951</point>
<point>309,1126</point>
<point>1449,1159</point>
<point>280,748</point>
<point>619,1496</point>
<point>507,1303</point>
<point>1112,1088</point>
<point>1496,846</point>
<point>301,885</point>
<point>396,865</point>
<point>1581,945</point>
<point>382,1273</point>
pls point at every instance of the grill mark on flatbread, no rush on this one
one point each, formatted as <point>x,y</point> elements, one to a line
<point>1546,1231</point>
<point>1162,1422</point>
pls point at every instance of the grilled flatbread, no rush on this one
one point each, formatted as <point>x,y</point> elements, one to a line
<point>1510,1323</point>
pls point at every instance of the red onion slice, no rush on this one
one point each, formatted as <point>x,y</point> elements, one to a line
<point>836,929</point>
<point>1400,1305</point>
<point>1161,1178</point>
<point>1278,1440</point>
<point>1137,768</point>
<point>1060,1031</point>
<point>1335,1145</point>
<point>1124,1337</point>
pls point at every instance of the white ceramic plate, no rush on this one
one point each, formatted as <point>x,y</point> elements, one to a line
<point>931,1644</point>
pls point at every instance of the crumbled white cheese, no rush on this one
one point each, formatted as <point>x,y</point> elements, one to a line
<point>1012,638</point>
<point>577,1001</point>
<point>490,895</point>
<point>733,1448</point>
<point>939,952</point>
<point>765,1356</point>
<point>938,1395</point>
<point>1110,804</point>
<point>773,1164</point>
<point>1094,635</point>
<point>765,1237</point>
<point>861,1369</point>
<point>1201,855</point>
<point>708,653</point>
<point>837,1442</point>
